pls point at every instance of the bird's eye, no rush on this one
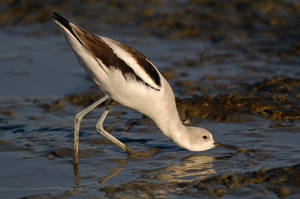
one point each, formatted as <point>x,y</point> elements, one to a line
<point>204,137</point>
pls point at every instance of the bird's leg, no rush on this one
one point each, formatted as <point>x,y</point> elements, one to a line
<point>101,130</point>
<point>78,119</point>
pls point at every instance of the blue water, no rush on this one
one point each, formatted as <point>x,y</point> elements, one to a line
<point>44,68</point>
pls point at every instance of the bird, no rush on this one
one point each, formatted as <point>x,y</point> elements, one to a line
<point>128,77</point>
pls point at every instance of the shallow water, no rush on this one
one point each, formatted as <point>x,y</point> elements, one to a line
<point>36,156</point>
<point>36,145</point>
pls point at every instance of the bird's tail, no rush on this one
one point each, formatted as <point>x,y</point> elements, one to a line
<point>65,25</point>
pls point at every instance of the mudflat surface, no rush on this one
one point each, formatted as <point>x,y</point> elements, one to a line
<point>233,66</point>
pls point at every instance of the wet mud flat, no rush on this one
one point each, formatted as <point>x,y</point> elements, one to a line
<point>234,68</point>
<point>278,182</point>
<point>274,100</point>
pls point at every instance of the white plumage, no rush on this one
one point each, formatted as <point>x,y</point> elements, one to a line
<point>128,77</point>
<point>130,61</point>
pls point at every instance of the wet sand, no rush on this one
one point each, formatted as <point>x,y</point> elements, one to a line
<point>234,68</point>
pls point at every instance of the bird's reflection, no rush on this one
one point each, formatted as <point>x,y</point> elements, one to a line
<point>115,170</point>
<point>189,167</point>
<point>76,173</point>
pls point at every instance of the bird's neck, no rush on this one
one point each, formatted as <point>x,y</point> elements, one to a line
<point>171,125</point>
<point>167,118</point>
<point>176,131</point>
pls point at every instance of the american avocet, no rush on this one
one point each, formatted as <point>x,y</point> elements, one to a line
<point>128,77</point>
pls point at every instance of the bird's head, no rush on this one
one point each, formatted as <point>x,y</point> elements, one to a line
<point>196,139</point>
